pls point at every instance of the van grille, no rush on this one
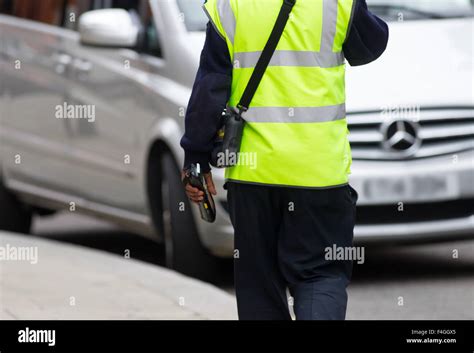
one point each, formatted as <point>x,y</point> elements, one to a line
<point>419,212</point>
<point>412,213</point>
<point>436,132</point>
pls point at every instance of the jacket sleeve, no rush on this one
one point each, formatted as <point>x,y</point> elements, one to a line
<point>211,92</point>
<point>367,38</point>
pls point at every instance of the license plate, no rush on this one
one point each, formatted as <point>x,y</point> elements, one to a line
<point>415,188</point>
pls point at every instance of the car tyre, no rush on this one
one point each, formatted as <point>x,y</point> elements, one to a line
<point>184,251</point>
<point>15,216</point>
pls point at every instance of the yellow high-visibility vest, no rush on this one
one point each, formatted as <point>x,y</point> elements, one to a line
<point>296,132</point>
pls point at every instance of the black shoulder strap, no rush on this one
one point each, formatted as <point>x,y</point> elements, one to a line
<point>267,55</point>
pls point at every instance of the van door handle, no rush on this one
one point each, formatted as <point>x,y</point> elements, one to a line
<point>61,62</point>
<point>82,68</point>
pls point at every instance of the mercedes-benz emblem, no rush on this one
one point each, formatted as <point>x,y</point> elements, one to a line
<point>401,136</point>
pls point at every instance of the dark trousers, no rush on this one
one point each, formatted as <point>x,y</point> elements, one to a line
<point>281,241</point>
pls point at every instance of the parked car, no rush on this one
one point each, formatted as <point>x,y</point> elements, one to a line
<point>91,122</point>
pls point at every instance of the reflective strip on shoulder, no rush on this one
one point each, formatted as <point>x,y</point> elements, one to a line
<point>227,18</point>
<point>226,22</point>
<point>212,20</point>
<point>295,115</point>
<point>330,8</point>
<point>325,58</point>
<point>291,58</point>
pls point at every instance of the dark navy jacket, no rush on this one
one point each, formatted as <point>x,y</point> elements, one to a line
<point>366,41</point>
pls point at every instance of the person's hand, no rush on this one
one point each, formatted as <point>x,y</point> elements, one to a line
<point>196,195</point>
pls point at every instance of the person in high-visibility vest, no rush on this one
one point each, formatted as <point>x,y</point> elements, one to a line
<point>289,198</point>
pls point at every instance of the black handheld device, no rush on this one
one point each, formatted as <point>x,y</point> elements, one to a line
<point>229,137</point>
<point>195,178</point>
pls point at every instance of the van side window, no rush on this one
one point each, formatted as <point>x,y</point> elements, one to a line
<point>61,13</point>
<point>151,43</point>
<point>47,11</point>
<point>66,13</point>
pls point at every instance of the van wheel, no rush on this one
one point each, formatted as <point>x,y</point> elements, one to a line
<point>183,249</point>
<point>15,217</point>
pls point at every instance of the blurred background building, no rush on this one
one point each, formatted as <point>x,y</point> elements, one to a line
<point>56,12</point>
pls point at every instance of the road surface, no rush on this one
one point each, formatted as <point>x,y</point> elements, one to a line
<point>433,281</point>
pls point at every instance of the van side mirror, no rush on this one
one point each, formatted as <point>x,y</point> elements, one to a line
<point>109,28</point>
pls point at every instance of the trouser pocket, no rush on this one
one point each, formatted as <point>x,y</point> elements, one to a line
<point>353,195</point>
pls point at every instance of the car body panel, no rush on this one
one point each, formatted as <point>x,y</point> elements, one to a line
<point>31,87</point>
<point>430,75</point>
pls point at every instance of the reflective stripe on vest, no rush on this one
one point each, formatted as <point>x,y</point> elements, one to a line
<point>291,58</point>
<point>296,123</point>
<point>296,115</point>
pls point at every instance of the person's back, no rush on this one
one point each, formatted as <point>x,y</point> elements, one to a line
<point>294,202</point>
<point>296,121</point>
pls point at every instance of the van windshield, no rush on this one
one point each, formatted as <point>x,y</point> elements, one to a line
<point>194,16</point>
<point>402,10</point>
<point>390,10</point>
